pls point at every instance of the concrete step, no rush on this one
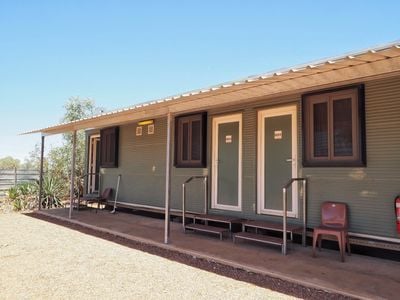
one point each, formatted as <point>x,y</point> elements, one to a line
<point>258,238</point>
<point>218,218</point>
<point>273,226</point>
<point>206,228</point>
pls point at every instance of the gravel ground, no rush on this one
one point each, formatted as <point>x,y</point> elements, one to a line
<point>260,280</point>
<point>40,260</point>
<point>5,205</point>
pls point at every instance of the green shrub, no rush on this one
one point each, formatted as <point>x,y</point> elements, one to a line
<point>12,193</point>
<point>18,204</point>
<point>53,190</point>
<point>23,196</point>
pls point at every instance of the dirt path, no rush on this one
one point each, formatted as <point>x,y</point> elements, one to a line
<point>40,260</point>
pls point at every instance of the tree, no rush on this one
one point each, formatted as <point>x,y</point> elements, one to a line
<point>76,109</point>
<point>9,162</point>
<point>57,166</point>
<point>59,158</point>
<point>33,161</point>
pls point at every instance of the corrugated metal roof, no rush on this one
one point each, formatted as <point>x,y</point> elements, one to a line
<point>366,56</point>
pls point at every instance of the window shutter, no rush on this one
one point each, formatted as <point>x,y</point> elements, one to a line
<point>191,140</point>
<point>109,141</point>
<point>334,128</point>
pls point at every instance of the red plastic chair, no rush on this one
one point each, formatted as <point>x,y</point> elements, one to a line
<point>333,223</point>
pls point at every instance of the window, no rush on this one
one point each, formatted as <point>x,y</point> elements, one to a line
<point>109,147</point>
<point>190,141</point>
<point>334,128</point>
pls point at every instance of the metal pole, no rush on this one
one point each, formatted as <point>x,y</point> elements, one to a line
<point>167,181</point>
<point>184,207</point>
<point>71,193</point>
<point>205,196</point>
<point>304,240</point>
<point>41,173</point>
<point>284,222</point>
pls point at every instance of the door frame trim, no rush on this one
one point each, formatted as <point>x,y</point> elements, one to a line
<point>214,158</point>
<point>91,178</point>
<point>262,114</point>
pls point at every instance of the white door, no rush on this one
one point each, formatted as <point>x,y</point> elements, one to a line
<point>277,159</point>
<point>227,163</point>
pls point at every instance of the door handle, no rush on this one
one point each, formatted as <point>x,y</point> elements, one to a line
<point>289,160</point>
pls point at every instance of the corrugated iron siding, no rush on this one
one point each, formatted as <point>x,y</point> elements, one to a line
<point>142,166</point>
<point>369,191</point>
<point>138,155</point>
<point>249,175</point>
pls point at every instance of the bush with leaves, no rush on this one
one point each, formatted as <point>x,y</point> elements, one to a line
<point>23,196</point>
<point>57,164</point>
<point>60,158</point>
<point>52,192</point>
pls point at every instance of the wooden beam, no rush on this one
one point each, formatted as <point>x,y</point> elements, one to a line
<point>370,56</point>
<point>390,52</point>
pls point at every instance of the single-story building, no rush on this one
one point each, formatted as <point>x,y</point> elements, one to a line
<point>334,123</point>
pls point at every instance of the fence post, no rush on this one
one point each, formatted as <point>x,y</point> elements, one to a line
<point>15,176</point>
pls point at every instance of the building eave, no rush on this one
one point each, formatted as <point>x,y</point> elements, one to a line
<point>363,65</point>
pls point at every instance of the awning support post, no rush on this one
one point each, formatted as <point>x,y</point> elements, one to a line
<point>41,174</point>
<point>167,181</point>
<point>71,193</point>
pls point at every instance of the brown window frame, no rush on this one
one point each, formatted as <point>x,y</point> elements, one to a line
<point>109,147</point>
<point>179,162</point>
<point>358,158</point>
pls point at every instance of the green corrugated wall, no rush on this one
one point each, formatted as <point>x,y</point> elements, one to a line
<point>368,191</point>
<point>142,166</point>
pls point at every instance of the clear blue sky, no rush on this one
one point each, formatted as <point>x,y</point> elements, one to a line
<point>122,52</point>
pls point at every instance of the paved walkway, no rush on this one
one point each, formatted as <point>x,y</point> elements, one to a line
<point>361,276</point>
<point>40,260</point>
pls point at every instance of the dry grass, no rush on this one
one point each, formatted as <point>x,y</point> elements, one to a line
<point>5,205</point>
<point>40,260</point>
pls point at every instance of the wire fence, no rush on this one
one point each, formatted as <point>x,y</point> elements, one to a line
<point>13,177</point>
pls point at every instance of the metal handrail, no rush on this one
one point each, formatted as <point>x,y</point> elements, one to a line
<point>184,197</point>
<point>116,194</point>
<point>304,198</point>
